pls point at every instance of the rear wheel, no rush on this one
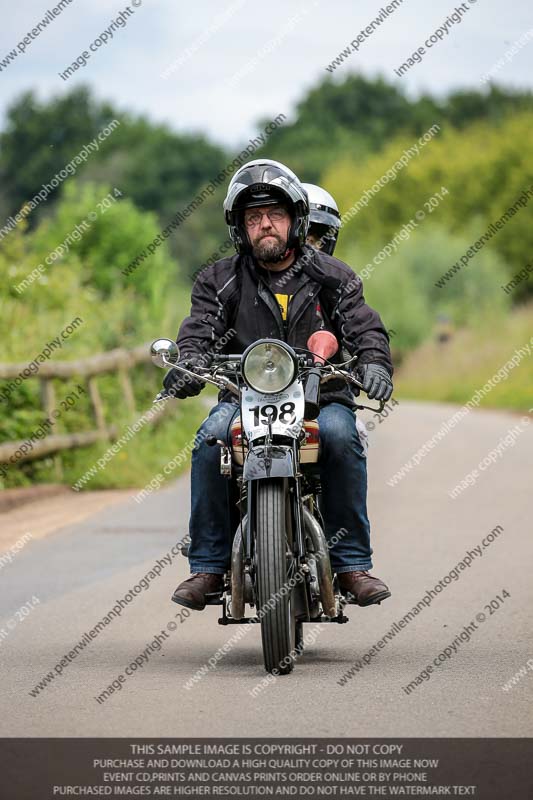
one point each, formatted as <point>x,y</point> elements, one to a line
<point>273,560</point>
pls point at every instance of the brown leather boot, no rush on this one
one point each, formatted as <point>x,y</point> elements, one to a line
<point>194,591</point>
<point>361,588</point>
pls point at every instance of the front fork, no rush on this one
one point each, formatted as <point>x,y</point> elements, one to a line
<point>243,564</point>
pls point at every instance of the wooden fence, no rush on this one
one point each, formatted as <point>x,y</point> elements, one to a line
<point>119,361</point>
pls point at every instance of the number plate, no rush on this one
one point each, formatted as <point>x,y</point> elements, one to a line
<point>285,408</point>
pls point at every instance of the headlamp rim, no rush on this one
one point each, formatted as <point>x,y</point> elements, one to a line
<point>288,349</point>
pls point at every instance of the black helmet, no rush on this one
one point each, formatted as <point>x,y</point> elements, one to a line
<point>324,217</point>
<point>262,183</point>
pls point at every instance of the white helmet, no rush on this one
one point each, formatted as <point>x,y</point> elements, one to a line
<point>324,217</point>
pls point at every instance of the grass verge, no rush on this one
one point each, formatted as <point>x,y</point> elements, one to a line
<point>452,372</point>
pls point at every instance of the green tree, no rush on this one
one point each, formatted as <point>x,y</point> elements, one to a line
<point>484,167</point>
<point>154,166</point>
<point>354,117</point>
<point>158,169</point>
<point>40,138</point>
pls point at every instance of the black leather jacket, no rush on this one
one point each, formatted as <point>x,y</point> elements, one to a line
<point>230,295</point>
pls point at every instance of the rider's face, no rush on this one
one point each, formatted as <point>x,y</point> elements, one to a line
<point>268,236</point>
<point>314,240</point>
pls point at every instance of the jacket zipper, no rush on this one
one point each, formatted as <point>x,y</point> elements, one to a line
<point>310,298</point>
<point>269,299</point>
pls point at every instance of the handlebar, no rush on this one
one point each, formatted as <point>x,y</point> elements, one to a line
<point>221,358</point>
<point>315,378</point>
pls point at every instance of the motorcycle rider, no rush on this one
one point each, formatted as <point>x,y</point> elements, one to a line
<point>324,219</point>
<point>267,211</point>
<point>323,232</point>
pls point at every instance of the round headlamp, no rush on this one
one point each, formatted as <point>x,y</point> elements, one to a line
<point>269,366</point>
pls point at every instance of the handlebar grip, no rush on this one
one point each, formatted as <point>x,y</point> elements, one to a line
<point>221,358</point>
<point>312,391</point>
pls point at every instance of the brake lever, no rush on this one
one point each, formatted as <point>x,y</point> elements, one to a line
<point>222,383</point>
<point>350,361</point>
<point>162,396</point>
<point>378,410</point>
<point>346,375</point>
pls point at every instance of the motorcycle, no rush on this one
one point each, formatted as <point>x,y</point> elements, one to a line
<point>279,557</point>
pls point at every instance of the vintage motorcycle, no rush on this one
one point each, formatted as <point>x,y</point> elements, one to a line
<point>279,559</point>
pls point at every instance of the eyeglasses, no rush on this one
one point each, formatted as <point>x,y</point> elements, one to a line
<point>274,215</point>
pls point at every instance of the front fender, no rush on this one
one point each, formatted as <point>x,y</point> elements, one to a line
<point>280,464</point>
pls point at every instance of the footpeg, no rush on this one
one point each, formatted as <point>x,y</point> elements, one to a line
<point>214,599</point>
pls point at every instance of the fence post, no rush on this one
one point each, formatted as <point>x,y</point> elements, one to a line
<point>48,399</point>
<point>97,405</point>
<point>127,390</point>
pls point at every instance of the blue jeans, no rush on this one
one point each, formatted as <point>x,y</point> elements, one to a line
<point>343,503</point>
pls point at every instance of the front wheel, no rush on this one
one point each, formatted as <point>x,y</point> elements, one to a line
<point>273,560</point>
<point>299,639</point>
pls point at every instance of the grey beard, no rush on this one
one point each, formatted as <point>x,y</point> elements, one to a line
<point>269,252</point>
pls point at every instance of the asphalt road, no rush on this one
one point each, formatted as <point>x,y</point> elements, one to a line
<point>419,535</point>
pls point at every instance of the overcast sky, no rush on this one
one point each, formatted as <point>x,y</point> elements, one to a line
<point>280,48</point>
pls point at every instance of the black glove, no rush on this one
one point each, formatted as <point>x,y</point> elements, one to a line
<point>179,384</point>
<point>376,381</point>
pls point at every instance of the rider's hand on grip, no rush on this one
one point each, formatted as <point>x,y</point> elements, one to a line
<point>376,381</point>
<point>179,384</point>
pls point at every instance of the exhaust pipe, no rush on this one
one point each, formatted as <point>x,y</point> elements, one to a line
<point>237,573</point>
<point>325,575</point>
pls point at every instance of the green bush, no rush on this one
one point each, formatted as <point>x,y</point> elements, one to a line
<point>86,282</point>
<point>402,287</point>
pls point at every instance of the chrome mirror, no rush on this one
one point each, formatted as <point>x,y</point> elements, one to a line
<point>164,353</point>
